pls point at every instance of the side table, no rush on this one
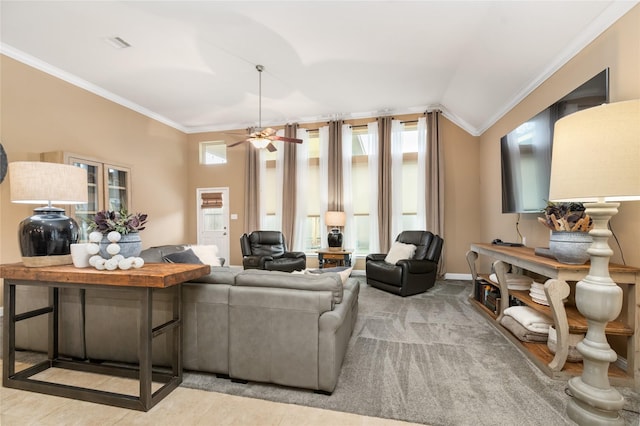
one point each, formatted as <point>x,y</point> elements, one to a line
<point>141,281</point>
<point>338,257</point>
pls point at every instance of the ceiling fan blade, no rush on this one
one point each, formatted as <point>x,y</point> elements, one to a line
<point>282,138</point>
<point>237,143</point>
<point>271,147</point>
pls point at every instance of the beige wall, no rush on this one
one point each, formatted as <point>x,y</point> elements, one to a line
<point>41,113</point>
<point>619,49</point>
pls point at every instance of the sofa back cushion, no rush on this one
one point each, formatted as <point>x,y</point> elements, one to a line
<point>276,279</point>
<point>267,243</point>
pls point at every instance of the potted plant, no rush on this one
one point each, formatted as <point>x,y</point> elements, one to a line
<point>570,226</point>
<point>121,227</point>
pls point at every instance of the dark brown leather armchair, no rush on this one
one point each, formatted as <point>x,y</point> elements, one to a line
<point>268,250</point>
<point>407,276</point>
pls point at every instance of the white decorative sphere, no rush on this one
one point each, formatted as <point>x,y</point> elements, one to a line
<point>113,248</point>
<point>125,264</point>
<point>118,257</point>
<point>95,237</point>
<point>111,264</point>
<point>114,236</point>
<point>138,262</point>
<point>93,248</point>
<point>94,259</point>
<point>100,264</point>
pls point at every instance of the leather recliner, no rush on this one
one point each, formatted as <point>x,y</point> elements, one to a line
<point>407,276</point>
<point>268,250</point>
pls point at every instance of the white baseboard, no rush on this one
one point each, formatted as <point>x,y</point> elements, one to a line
<point>457,277</point>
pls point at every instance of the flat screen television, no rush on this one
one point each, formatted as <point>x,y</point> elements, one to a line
<point>526,151</point>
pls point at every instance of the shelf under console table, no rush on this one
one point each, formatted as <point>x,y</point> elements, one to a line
<point>560,279</point>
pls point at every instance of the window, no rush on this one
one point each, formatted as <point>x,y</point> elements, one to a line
<point>409,174</point>
<point>361,188</point>
<point>315,237</point>
<point>213,153</point>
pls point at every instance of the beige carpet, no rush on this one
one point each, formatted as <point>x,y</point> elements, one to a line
<point>429,359</point>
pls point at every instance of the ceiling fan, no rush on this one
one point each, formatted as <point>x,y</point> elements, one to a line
<point>259,137</point>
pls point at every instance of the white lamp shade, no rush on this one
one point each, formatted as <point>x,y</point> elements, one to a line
<point>335,218</point>
<point>596,154</point>
<point>32,182</point>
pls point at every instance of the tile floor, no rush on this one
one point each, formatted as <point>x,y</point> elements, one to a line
<point>182,407</point>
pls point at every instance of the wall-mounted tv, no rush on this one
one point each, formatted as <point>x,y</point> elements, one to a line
<point>526,151</point>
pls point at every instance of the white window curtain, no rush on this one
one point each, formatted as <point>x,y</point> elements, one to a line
<point>349,231</point>
<point>277,223</point>
<point>302,165</point>
<point>323,178</point>
<point>262,159</point>
<point>372,167</point>
<point>396,178</point>
<point>421,212</point>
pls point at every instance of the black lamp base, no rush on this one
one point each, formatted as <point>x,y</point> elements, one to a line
<point>46,237</point>
<point>334,239</point>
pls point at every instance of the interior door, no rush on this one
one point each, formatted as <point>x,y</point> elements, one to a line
<point>213,219</point>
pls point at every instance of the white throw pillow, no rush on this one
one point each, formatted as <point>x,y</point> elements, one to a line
<point>345,274</point>
<point>208,254</point>
<point>400,251</point>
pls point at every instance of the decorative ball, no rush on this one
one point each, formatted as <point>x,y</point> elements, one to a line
<point>125,264</point>
<point>94,259</point>
<point>138,262</point>
<point>93,248</point>
<point>118,257</point>
<point>95,237</point>
<point>100,264</point>
<point>111,264</point>
<point>113,248</point>
<point>114,236</point>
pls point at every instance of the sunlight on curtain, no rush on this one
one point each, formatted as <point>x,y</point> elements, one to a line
<point>302,166</point>
<point>324,178</point>
<point>277,220</point>
<point>421,208</point>
<point>262,208</point>
<point>396,178</point>
<point>349,230</point>
<point>372,158</point>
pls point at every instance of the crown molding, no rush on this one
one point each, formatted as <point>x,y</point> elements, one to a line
<point>45,67</point>
<point>615,11</point>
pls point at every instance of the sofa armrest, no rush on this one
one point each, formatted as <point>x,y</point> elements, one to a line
<point>414,266</point>
<point>255,262</point>
<point>375,257</point>
<point>295,255</point>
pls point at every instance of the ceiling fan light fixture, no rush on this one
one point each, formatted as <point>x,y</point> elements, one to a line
<point>260,143</point>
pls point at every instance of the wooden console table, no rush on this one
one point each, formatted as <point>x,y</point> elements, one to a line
<point>141,281</point>
<point>327,255</point>
<point>566,317</point>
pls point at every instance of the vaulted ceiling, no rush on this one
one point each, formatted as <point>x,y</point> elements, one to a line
<point>192,64</point>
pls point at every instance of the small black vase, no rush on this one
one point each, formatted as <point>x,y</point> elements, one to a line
<point>334,239</point>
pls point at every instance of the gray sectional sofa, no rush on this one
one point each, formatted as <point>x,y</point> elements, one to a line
<point>254,325</point>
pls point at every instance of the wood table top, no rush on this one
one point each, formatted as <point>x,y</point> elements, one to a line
<point>528,254</point>
<point>157,275</point>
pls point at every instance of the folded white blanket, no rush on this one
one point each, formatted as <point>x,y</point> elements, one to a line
<point>529,318</point>
<point>513,278</point>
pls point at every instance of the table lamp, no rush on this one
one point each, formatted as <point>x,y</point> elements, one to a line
<point>335,219</point>
<point>45,238</point>
<point>596,160</point>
